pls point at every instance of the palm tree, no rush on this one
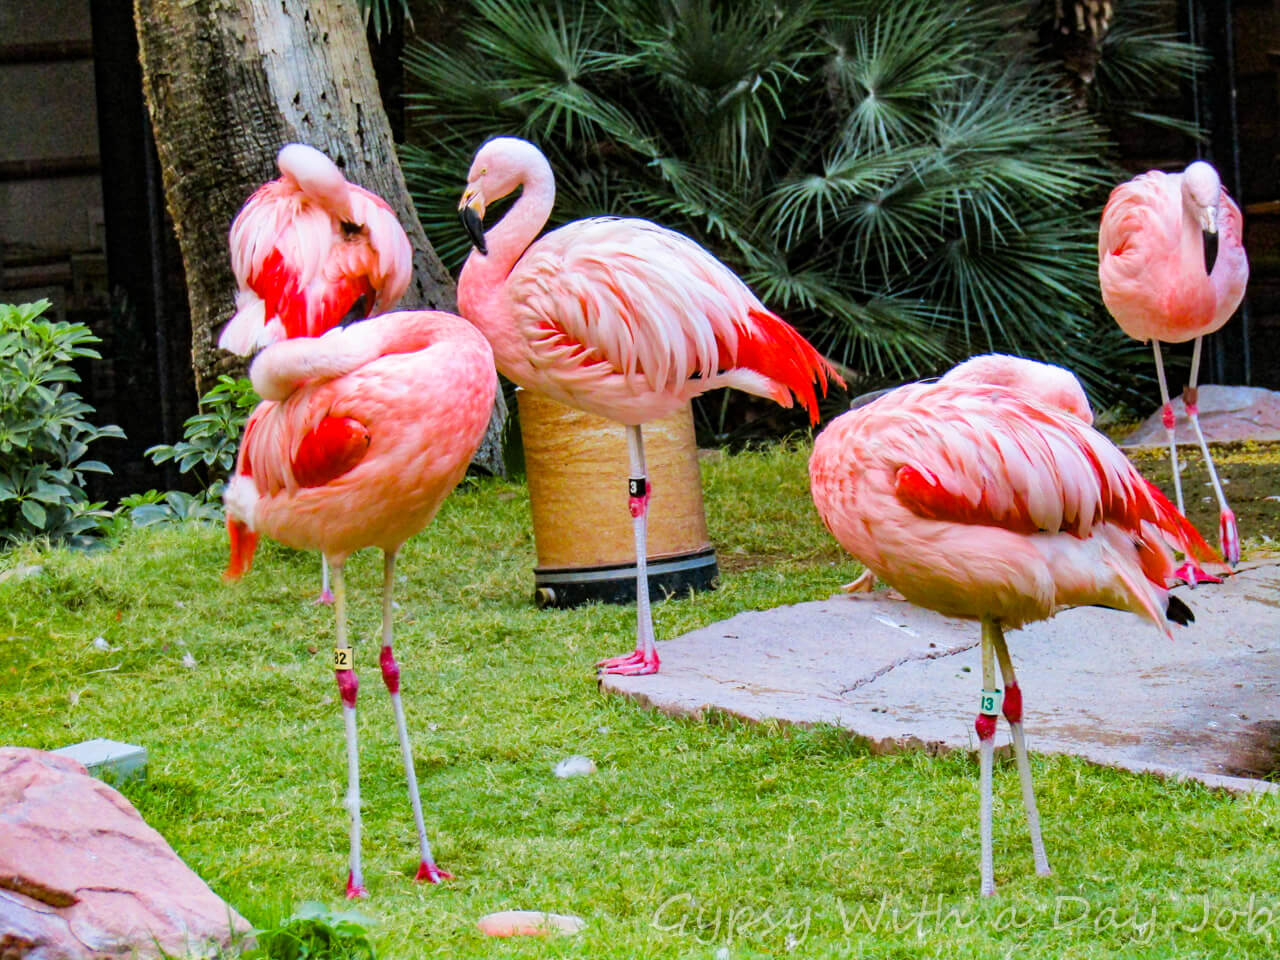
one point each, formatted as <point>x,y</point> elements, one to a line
<point>905,180</point>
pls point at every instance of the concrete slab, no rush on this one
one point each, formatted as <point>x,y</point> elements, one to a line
<point>1096,683</point>
<point>108,758</point>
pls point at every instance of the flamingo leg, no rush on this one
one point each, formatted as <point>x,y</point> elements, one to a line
<point>1230,537</point>
<point>326,595</point>
<point>1166,412</point>
<point>348,686</point>
<point>427,869</point>
<point>644,660</point>
<point>985,726</point>
<point>1013,713</point>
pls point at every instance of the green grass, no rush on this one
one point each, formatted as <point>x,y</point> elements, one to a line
<point>692,836</point>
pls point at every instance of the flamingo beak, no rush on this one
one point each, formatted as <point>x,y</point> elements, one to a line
<point>1209,219</point>
<point>1209,224</point>
<point>471,213</point>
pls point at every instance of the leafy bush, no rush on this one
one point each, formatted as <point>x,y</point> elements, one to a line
<point>208,447</point>
<point>44,433</point>
<point>314,932</point>
<point>171,506</point>
<point>907,182</point>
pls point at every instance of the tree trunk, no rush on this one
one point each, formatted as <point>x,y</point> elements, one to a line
<point>229,82</point>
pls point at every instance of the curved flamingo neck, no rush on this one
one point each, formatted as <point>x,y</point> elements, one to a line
<point>508,239</point>
<point>1192,235</point>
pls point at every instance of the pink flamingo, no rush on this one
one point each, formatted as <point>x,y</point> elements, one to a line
<point>1157,284</point>
<point>618,317</point>
<point>309,251</point>
<point>988,496</point>
<point>361,435</point>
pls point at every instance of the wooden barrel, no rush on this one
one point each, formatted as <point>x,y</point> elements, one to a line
<point>577,470</point>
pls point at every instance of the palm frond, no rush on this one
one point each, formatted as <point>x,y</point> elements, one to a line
<point>904,181</point>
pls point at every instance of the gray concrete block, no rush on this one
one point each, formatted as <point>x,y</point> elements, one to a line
<point>108,759</point>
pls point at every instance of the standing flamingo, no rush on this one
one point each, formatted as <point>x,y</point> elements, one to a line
<point>309,251</point>
<point>1159,285</point>
<point>361,435</point>
<point>996,501</point>
<point>619,317</point>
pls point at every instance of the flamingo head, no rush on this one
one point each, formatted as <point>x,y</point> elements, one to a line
<point>317,177</point>
<point>1052,385</point>
<point>501,166</point>
<point>1201,191</point>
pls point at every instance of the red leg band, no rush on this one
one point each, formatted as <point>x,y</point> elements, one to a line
<point>1013,703</point>
<point>348,686</point>
<point>390,670</point>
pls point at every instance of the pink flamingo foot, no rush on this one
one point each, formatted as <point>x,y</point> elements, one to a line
<point>430,873</point>
<point>634,664</point>
<point>1193,574</point>
<point>1230,537</point>
<point>326,597</point>
<point>355,891</point>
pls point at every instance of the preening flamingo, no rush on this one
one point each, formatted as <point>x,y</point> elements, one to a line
<point>309,251</point>
<point>361,435</point>
<point>618,317</point>
<point>1159,285</point>
<point>988,496</point>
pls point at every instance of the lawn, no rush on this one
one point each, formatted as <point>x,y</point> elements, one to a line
<point>707,838</point>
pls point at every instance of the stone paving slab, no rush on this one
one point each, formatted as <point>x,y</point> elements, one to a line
<point>1099,684</point>
<point>1227,415</point>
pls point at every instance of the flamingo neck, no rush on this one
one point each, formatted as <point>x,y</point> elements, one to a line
<point>1192,245</point>
<point>508,239</point>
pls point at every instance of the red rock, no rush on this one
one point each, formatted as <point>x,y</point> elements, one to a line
<point>1227,414</point>
<point>83,876</point>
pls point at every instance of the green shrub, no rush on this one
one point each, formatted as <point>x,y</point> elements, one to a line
<point>44,433</point>
<point>208,447</point>
<point>314,932</point>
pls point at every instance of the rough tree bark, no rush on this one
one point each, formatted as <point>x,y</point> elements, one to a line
<point>227,83</point>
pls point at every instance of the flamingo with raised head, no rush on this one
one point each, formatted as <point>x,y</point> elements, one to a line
<point>1159,285</point>
<point>310,251</point>
<point>619,317</point>
<point>988,496</point>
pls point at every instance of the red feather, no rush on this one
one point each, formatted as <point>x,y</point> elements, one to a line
<point>278,287</point>
<point>926,497</point>
<point>780,353</point>
<point>243,543</point>
<point>334,446</point>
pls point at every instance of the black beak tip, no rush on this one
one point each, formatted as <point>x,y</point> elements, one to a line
<point>475,228</point>
<point>1210,251</point>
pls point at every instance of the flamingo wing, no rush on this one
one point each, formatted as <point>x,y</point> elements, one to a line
<point>607,296</point>
<point>1138,251</point>
<point>1142,219</point>
<point>996,457</point>
<point>331,448</point>
<point>1230,273</point>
